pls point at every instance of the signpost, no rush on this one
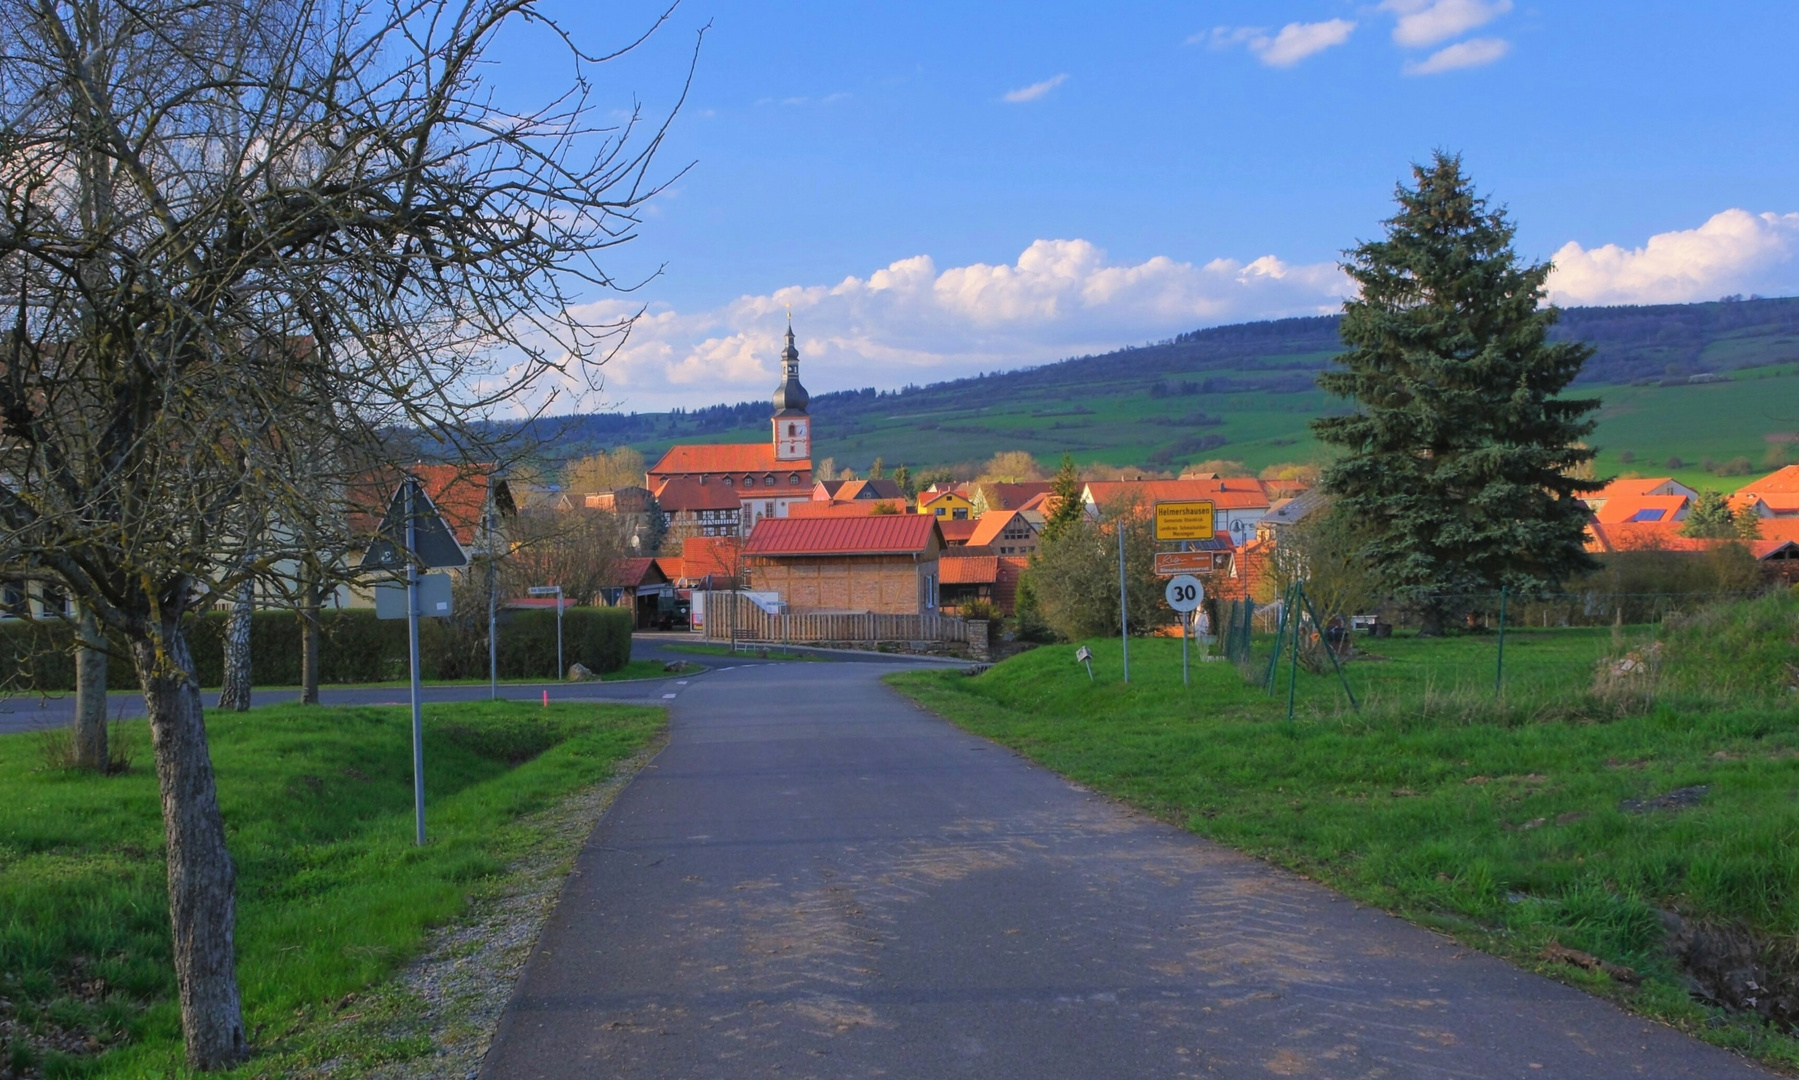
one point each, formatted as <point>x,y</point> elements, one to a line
<point>1184,594</point>
<point>556,591</point>
<point>1084,655</point>
<point>1170,563</point>
<point>413,534</point>
<point>1186,520</point>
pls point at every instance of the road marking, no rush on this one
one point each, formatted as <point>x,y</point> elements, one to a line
<point>665,697</point>
<point>680,682</point>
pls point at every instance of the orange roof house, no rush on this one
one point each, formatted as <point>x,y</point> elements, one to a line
<point>1005,532</point>
<point>956,531</point>
<point>1637,487</point>
<point>1630,508</point>
<point>849,507</point>
<point>1775,495</point>
<point>988,497</point>
<point>711,561</point>
<point>945,503</point>
<point>458,491</point>
<point>1239,503</point>
<point>870,534</point>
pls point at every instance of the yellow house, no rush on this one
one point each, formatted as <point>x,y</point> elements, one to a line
<point>946,503</point>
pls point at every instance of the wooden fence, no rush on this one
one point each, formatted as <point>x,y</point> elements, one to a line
<point>732,617</point>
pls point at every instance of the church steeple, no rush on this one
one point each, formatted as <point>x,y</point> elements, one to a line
<point>793,428</point>
<point>790,396</point>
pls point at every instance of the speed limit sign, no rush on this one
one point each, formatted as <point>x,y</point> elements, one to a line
<point>1184,593</point>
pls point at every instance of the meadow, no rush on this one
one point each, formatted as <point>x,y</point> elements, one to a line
<point>333,897</point>
<point>1632,836</point>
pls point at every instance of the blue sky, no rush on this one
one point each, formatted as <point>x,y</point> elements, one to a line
<point>943,188</point>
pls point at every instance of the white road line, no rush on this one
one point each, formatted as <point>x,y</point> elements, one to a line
<point>665,697</point>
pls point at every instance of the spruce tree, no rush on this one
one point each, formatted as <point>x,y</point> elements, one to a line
<point>1458,461</point>
<point>1710,518</point>
<point>1068,508</point>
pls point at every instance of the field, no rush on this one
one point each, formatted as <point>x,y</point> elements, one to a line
<point>1523,824</point>
<point>333,898</point>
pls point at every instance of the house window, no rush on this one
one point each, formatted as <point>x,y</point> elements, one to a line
<point>749,481</point>
<point>959,514</point>
<point>768,509</point>
<point>793,478</point>
<point>939,511</point>
<point>727,480</point>
<point>12,599</point>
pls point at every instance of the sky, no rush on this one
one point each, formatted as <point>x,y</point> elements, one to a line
<point>937,189</point>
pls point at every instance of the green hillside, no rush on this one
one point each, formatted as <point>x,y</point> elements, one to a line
<point>1245,392</point>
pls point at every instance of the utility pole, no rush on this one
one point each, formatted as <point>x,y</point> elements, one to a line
<point>493,639</point>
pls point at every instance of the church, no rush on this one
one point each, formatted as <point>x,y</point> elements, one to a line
<point>731,486</point>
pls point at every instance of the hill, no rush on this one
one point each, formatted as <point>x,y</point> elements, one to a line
<point>1245,392</point>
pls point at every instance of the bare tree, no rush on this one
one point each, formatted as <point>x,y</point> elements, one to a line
<point>577,549</point>
<point>232,233</point>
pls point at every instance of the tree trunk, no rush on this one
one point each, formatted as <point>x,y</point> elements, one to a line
<point>201,877</point>
<point>1430,622</point>
<point>235,694</point>
<point>309,634</point>
<point>90,694</point>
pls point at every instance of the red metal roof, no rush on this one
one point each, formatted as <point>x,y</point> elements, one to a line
<point>1239,493</point>
<point>968,569</point>
<point>846,508</point>
<point>635,573</point>
<point>875,534</point>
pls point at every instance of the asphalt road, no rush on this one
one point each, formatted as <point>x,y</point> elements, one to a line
<point>817,879</point>
<point>31,712</point>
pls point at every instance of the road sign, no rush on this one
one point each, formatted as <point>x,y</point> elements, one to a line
<point>1170,563</point>
<point>434,597</point>
<point>1184,520</point>
<point>1184,593</point>
<point>435,544</point>
<point>545,590</point>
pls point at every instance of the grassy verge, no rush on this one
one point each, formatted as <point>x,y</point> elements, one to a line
<point>333,897</point>
<point>633,670</point>
<point>1508,821</point>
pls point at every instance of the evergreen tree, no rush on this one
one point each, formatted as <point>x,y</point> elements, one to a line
<point>1710,518</point>
<point>1068,509</point>
<point>903,477</point>
<point>1459,459</point>
<point>877,470</point>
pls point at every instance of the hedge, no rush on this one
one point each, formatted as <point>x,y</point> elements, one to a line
<point>356,647</point>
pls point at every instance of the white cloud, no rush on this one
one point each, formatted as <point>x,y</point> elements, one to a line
<point>1735,251</point>
<point>1033,91</point>
<point>1293,43</point>
<point>1426,22</point>
<point>912,321</point>
<point>1463,54</point>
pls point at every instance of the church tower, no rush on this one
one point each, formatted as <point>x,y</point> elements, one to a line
<point>793,428</point>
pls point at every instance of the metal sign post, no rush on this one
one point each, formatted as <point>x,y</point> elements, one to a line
<point>414,533</point>
<point>412,648</point>
<point>556,591</point>
<point>1184,594</point>
<point>1188,520</point>
<point>493,635</point>
<point>1084,655</point>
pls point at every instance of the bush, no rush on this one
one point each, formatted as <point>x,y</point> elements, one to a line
<point>1750,647</point>
<point>355,647</point>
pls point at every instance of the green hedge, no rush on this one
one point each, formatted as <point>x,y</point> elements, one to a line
<point>357,647</point>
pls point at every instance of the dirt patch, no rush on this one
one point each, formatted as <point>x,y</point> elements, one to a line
<point>1680,799</point>
<point>1735,969</point>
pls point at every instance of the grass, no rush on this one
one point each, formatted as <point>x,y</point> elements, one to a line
<point>632,671</point>
<point>1499,820</point>
<point>332,895</point>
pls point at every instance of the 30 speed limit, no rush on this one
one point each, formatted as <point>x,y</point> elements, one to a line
<point>1184,593</point>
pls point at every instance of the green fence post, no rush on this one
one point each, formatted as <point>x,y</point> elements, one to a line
<point>1324,639</point>
<point>1280,628</point>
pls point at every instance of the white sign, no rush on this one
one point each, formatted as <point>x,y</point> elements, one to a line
<point>1082,655</point>
<point>1184,593</point>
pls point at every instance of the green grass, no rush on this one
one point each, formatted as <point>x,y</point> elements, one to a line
<point>332,895</point>
<point>1495,820</point>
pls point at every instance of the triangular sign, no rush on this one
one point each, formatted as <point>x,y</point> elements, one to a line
<point>436,545</point>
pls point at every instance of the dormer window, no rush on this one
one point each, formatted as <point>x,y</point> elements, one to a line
<point>749,481</point>
<point>768,481</point>
<point>727,480</point>
<point>793,478</point>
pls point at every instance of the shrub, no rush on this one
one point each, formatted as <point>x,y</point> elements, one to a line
<point>1746,647</point>
<point>354,647</point>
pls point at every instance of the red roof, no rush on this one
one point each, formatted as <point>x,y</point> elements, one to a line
<point>1643,536</point>
<point>715,459</point>
<point>685,494</point>
<point>1236,493</point>
<point>968,569</point>
<point>671,567</point>
<point>1782,482</point>
<point>458,491</point>
<point>956,531</point>
<point>1623,508</point>
<point>709,556</point>
<point>874,534</point>
<point>635,573</point>
<point>816,508</point>
<point>1011,496</point>
<point>992,523</point>
<point>1005,587</point>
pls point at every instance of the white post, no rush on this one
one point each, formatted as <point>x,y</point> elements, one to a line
<point>412,641</point>
<point>561,668</point>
